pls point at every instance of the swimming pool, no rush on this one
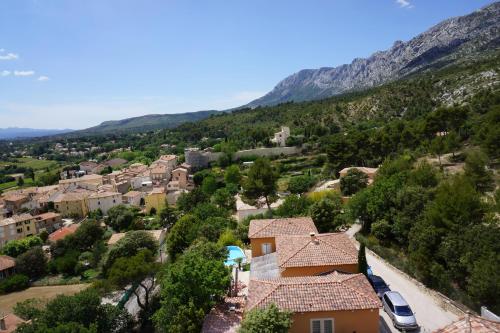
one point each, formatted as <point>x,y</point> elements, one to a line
<point>234,253</point>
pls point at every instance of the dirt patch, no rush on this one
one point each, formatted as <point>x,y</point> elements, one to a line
<point>8,301</point>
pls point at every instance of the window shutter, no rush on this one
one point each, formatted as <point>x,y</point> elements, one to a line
<point>316,326</point>
<point>328,326</point>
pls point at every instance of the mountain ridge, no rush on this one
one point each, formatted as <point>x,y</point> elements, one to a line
<point>443,44</point>
<point>24,132</point>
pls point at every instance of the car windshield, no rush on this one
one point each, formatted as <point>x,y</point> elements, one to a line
<point>403,311</point>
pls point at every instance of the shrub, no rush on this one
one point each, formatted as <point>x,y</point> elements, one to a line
<point>15,282</point>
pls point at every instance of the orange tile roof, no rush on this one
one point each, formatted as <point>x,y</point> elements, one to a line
<point>472,324</point>
<point>285,226</point>
<point>324,250</point>
<point>48,215</point>
<point>7,262</point>
<point>63,232</point>
<point>332,292</point>
<point>11,323</point>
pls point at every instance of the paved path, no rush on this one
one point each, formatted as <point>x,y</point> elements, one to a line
<point>429,309</point>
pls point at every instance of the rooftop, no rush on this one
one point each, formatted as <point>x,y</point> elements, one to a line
<point>362,169</point>
<point>132,194</point>
<point>48,215</point>
<point>16,218</point>
<point>80,179</point>
<point>7,262</point>
<point>472,324</point>
<point>332,292</point>
<point>63,232</point>
<point>104,194</point>
<point>320,250</point>
<point>284,226</point>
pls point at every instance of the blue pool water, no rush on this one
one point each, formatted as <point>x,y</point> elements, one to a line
<point>234,252</point>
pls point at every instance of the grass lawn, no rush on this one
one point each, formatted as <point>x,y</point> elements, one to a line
<point>12,185</point>
<point>46,293</point>
<point>33,163</point>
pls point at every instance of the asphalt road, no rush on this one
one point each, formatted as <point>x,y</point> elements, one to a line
<point>430,313</point>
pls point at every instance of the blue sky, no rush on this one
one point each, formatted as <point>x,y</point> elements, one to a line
<point>74,64</point>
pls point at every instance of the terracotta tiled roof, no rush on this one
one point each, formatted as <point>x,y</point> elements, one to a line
<point>132,194</point>
<point>71,196</point>
<point>332,292</point>
<point>368,171</point>
<point>15,197</point>
<point>48,215</point>
<point>276,227</point>
<point>323,250</point>
<point>471,324</point>
<point>104,194</point>
<point>167,157</point>
<point>11,323</point>
<point>7,262</point>
<point>63,232</point>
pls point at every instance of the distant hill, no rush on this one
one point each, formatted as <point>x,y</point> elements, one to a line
<point>145,123</point>
<point>448,42</point>
<point>19,133</point>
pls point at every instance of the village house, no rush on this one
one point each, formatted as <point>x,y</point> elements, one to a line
<point>87,181</point>
<point>155,199</point>
<point>302,255</point>
<point>133,198</point>
<point>244,210</point>
<point>169,161</point>
<point>263,233</point>
<point>16,227</point>
<point>369,172</point>
<point>72,204</point>
<point>63,232</point>
<point>49,222</point>
<point>158,235</point>
<point>160,173</point>
<point>88,167</point>
<point>15,202</point>
<point>471,324</point>
<point>103,201</point>
<point>10,322</point>
<point>335,302</point>
<point>180,175</point>
<point>281,136</point>
<point>7,266</point>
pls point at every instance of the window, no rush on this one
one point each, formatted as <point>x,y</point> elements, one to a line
<point>322,325</point>
<point>389,303</point>
<point>266,248</point>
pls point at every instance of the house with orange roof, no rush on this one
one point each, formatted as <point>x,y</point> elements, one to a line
<point>10,322</point>
<point>263,233</point>
<point>7,266</point>
<point>49,222</point>
<point>63,232</point>
<point>302,255</point>
<point>471,324</point>
<point>335,302</point>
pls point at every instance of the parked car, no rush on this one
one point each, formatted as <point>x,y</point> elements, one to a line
<point>399,311</point>
<point>378,285</point>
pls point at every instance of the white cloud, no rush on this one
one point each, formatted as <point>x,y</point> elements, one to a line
<point>8,56</point>
<point>43,78</point>
<point>2,50</point>
<point>24,73</point>
<point>405,4</point>
<point>4,73</point>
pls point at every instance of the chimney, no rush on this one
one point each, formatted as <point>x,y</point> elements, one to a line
<point>3,326</point>
<point>313,237</point>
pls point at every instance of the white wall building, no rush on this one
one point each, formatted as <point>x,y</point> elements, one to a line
<point>281,136</point>
<point>104,201</point>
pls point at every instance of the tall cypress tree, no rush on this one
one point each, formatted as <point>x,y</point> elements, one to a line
<point>362,263</point>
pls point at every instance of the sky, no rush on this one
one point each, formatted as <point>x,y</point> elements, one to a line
<point>74,64</point>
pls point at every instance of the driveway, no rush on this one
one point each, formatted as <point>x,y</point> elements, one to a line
<point>432,311</point>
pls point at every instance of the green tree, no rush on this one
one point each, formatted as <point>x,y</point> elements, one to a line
<point>232,174</point>
<point>209,185</point>
<point>182,234</point>
<point>476,170</point>
<point>293,206</point>
<point>32,263</point>
<point>224,199</point>
<point>261,182</point>
<point>362,263</point>
<point>120,217</point>
<point>325,212</point>
<point>20,181</point>
<point>168,216</point>
<point>301,184</point>
<point>268,320</point>
<point>191,286</point>
<point>353,181</point>
<point>14,248</point>
<point>139,269</point>
<point>130,245</point>
<point>438,147</point>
